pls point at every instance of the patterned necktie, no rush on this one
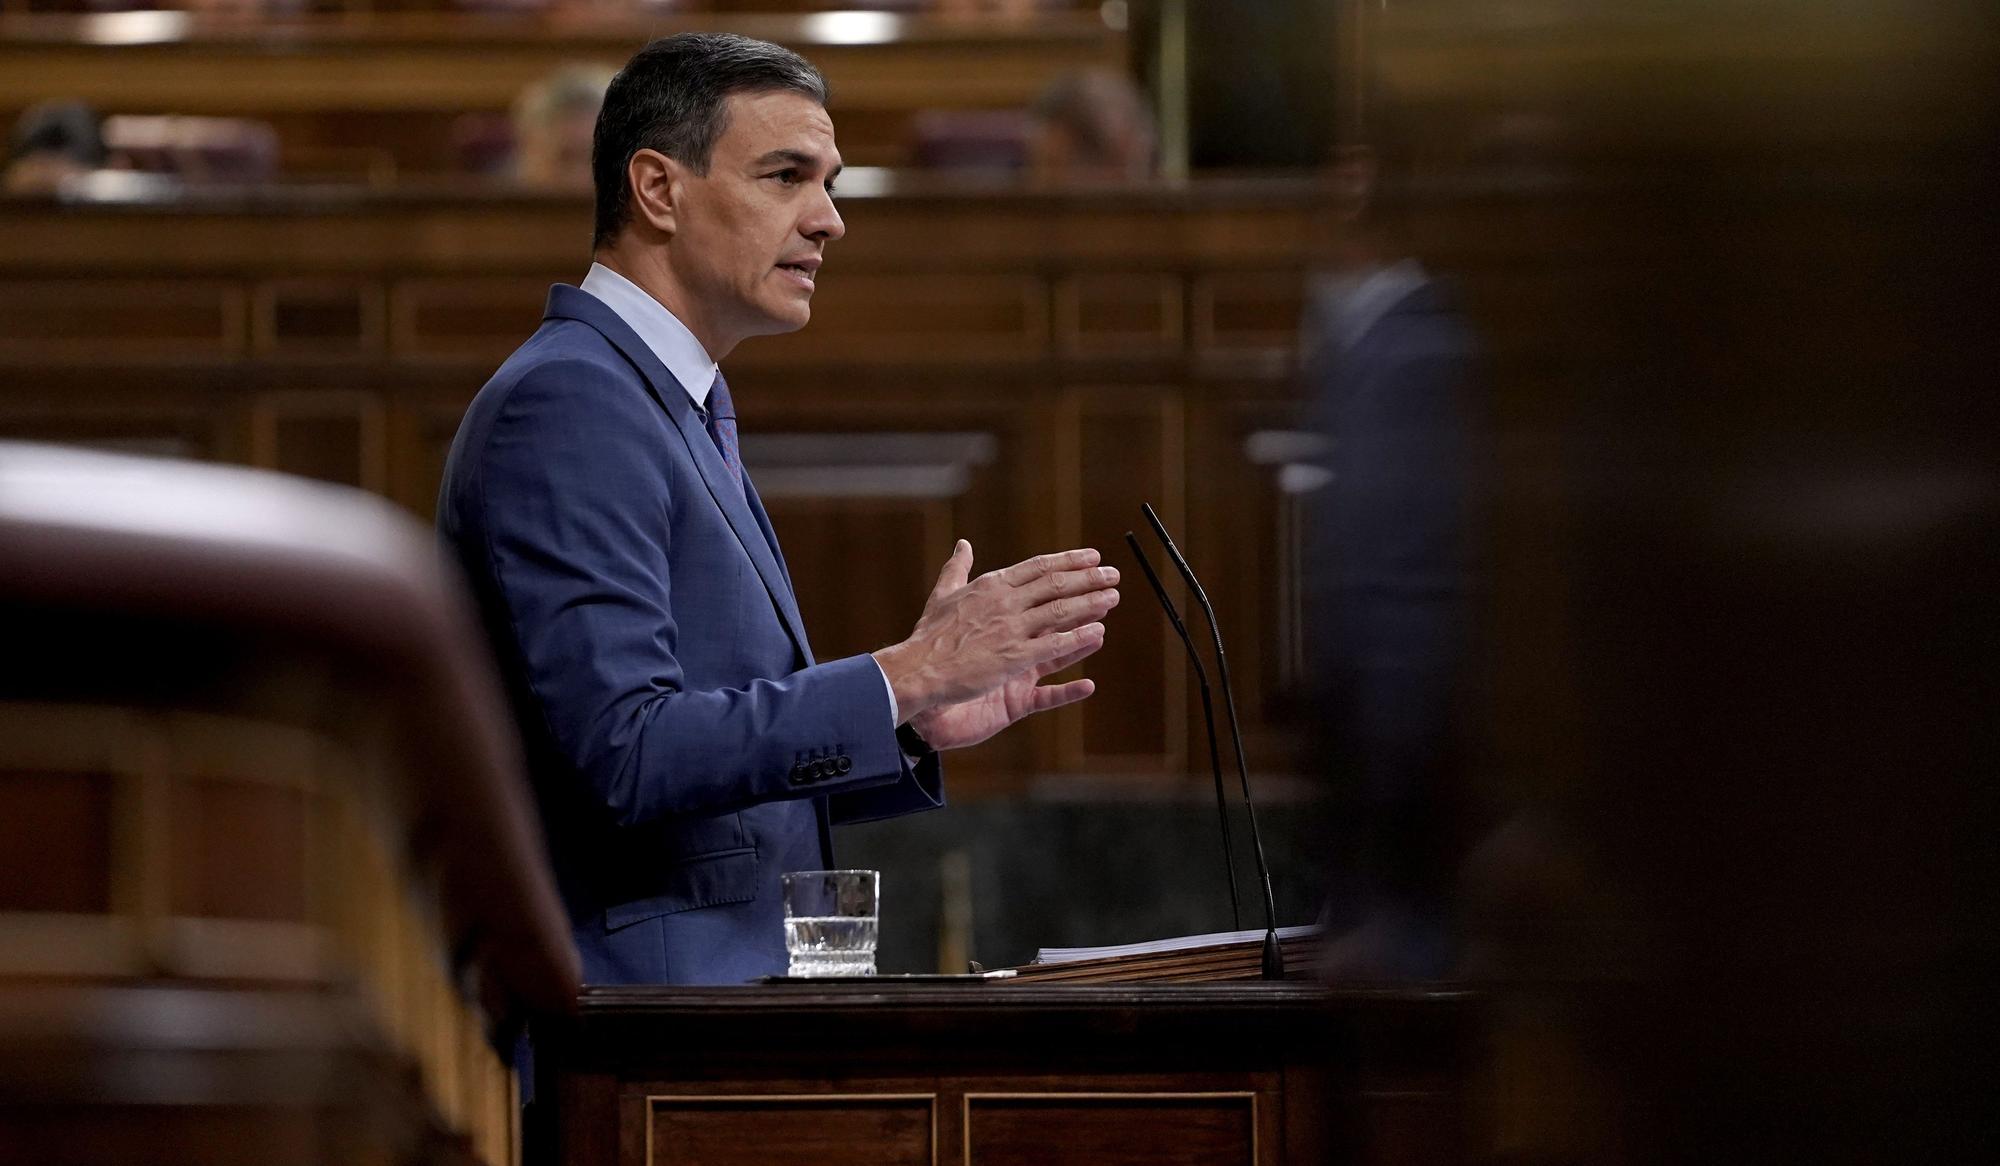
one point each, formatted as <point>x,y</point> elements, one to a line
<point>722,426</point>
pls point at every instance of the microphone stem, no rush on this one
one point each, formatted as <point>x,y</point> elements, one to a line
<point>1207,720</point>
<point>1274,963</point>
<point>1274,959</point>
<point>1221,806</point>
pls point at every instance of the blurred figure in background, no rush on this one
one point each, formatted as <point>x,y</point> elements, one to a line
<point>1743,565</point>
<point>1389,366</point>
<point>1091,125</point>
<point>52,142</point>
<point>553,121</point>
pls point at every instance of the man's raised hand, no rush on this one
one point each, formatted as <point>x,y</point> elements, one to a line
<point>1004,630</point>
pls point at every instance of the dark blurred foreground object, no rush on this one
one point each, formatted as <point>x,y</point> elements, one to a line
<point>51,142</point>
<point>1750,503</point>
<point>1390,367</point>
<point>270,885</point>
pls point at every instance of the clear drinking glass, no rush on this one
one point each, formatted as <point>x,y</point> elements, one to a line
<point>830,921</point>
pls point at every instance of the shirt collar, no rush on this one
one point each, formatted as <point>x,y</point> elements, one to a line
<point>1355,302</point>
<point>662,331</point>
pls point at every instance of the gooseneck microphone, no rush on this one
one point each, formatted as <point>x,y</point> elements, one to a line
<point>1208,719</point>
<point>1274,956</point>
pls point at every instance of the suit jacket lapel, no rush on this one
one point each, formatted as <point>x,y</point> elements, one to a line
<point>572,303</point>
<point>788,603</point>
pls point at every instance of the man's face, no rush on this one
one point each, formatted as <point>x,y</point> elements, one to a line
<point>749,235</point>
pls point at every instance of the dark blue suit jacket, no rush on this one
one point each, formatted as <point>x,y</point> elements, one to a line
<point>685,746</point>
<point>1394,567</point>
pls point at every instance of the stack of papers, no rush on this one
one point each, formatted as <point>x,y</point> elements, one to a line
<point>1186,959</point>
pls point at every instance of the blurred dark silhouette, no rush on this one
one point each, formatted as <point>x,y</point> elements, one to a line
<point>1092,125</point>
<point>1749,503</point>
<point>1391,370</point>
<point>49,143</point>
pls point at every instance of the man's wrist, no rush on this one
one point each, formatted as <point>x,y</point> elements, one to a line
<point>905,691</point>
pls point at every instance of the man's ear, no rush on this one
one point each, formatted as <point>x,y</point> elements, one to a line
<point>656,182</point>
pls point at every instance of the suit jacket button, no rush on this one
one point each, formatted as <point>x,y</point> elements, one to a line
<point>798,775</point>
<point>822,769</point>
<point>843,765</point>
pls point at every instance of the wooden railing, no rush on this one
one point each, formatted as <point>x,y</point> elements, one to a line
<point>271,887</point>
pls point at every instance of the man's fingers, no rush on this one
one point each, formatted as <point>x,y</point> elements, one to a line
<point>1054,696</point>
<point>1057,584</point>
<point>1029,570</point>
<point>957,570</point>
<point>1069,611</point>
<point>1069,661</point>
<point>1058,645</point>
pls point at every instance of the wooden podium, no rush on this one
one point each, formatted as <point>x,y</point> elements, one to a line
<point>996,1074</point>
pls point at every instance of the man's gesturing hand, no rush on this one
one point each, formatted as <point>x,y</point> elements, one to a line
<point>1006,628</point>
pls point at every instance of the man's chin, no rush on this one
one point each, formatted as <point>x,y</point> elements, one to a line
<point>794,318</point>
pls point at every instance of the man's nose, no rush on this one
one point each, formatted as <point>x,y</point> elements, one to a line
<point>822,222</point>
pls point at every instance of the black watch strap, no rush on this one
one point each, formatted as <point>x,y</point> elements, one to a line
<point>912,742</point>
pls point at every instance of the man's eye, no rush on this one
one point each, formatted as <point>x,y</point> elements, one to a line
<point>790,176</point>
<point>829,186</point>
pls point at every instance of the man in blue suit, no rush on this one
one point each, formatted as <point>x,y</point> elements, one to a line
<point>686,747</point>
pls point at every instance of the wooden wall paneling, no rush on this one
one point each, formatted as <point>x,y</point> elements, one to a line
<point>1118,447</point>
<point>145,428</point>
<point>1246,322</point>
<point>466,316</point>
<point>422,424</point>
<point>918,316</point>
<point>181,410</point>
<point>318,317</point>
<point>333,435</point>
<point>1293,471</point>
<point>860,517</point>
<point>983,426</point>
<point>1118,315</point>
<point>1265,471</point>
<point>102,320</point>
<point>859,565</point>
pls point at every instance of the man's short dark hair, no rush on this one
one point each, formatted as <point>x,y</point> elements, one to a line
<point>671,97</point>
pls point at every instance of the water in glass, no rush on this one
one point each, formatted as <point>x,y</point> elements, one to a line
<point>831,922</point>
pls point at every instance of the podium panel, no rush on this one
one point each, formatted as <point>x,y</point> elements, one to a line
<point>1241,1074</point>
<point>1025,1129</point>
<point>858,1129</point>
